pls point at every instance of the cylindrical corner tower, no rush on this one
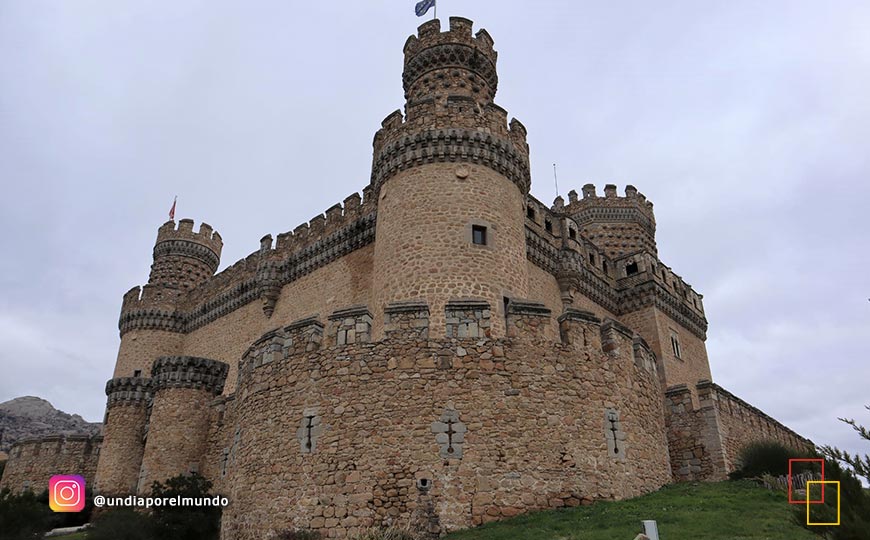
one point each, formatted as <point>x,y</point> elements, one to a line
<point>182,258</point>
<point>123,435</point>
<point>451,179</point>
<point>183,387</point>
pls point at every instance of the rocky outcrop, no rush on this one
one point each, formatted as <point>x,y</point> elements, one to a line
<point>30,416</point>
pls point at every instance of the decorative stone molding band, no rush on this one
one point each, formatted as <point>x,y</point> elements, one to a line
<point>451,145</point>
<point>128,390</point>
<point>189,372</point>
<point>450,55</point>
<point>150,319</point>
<point>615,214</point>
<point>187,248</point>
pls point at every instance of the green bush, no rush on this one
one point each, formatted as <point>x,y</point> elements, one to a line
<point>186,523</point>
<point>854,507</point>
<point>125,523</point>
<point>768,457</point>
<point>23,516</point>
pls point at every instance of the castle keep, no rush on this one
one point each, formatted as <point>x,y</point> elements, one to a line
<point>443,351</point>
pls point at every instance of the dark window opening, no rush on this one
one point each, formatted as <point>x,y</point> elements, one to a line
<point>478,235</point>
<point>631,269</point>
<point>572,234</point>
<point>592,259</point>
<point>137,373</point>
<point>604,266</point>
<point>548,225</point>
<point>530,213</point>
<point>675,344</point>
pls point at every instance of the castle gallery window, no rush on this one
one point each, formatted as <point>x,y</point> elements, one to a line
<point>631,269</point>
<point>478,235</point>
<point>675,344</point>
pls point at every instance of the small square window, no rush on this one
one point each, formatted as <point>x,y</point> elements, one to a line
<point>137,372</point>
<point>478,235</point>
<point>631,269</point>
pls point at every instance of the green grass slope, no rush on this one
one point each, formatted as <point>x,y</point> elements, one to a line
<point>705,511</point>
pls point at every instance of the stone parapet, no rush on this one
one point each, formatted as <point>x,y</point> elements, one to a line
<point>128,390</point>
<point>467,319</point>
<point>189,372</point>
<point>528,320</point>
<point>406,320</point>
<point>350,325</point>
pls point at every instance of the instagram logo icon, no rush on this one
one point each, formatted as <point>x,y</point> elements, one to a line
<point>66,493</point>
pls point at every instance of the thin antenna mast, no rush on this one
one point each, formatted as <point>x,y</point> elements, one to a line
<point>555,180</point>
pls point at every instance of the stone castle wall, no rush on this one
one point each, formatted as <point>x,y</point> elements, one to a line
<point>32,462</point>
<point>706,433</point>
<point>442,433</point>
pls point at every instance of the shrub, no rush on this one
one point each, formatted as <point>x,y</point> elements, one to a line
<point>123,523</point>
<point>23,516</point>
<point>769,457</point>
<point>186,523</point>
<point>854,507</point>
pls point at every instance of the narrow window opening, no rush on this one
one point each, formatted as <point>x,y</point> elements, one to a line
<point>505,303</point>
<point>572,234</point>
<point>309,426</point>
<point>592,259</point>
<point>631,269</point>
<point>478,235</point>
<point>675,345</point>
<point>604,266</point>
<point>530,213</point>
<point>548,225</point>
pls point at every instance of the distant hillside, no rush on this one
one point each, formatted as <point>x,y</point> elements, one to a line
<point>31,416</point>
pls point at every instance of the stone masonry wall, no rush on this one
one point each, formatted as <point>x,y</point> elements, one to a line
<point>438,433</point>
<point>705,440</point>
<point>341,283</point>
<point>32,462</point>
<point>424,246</point>
<point>656,328</point>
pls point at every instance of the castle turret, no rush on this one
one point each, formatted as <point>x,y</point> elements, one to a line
<point>176,443</point>
<point>451,178</point>
<point>617,225</point>
<point>182,258</point>
<point>123,432</point>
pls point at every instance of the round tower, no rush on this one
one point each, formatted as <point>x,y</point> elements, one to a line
<point>184,259</point>
<point>123,435</point>
<point>618,225</point>
<point>452,178</point>
<point>149,324</point>
<point>177,437</point>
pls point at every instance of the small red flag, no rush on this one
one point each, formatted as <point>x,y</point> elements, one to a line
<point>172,210</point>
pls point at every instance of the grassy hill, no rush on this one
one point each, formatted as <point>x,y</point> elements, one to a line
<point>705,511</point>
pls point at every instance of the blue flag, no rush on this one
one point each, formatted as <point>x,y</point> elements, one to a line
<point>423,6</point>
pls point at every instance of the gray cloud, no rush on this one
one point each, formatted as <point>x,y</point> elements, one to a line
<point>746,124</point>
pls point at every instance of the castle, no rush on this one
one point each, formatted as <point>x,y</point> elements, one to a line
<point>443,351</point>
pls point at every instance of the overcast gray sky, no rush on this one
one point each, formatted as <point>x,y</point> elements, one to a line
<point>747,124</point>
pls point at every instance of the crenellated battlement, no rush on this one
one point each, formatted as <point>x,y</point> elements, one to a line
<point>206,236</point>
<point>619,225</point>
<point>457,60</point>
